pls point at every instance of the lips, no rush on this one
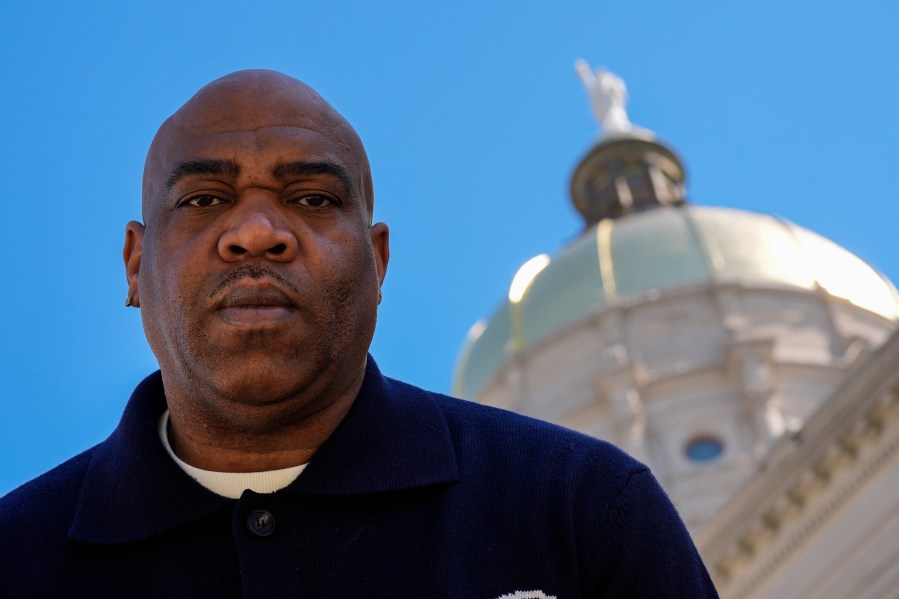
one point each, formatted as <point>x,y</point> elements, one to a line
<point>251,303</point>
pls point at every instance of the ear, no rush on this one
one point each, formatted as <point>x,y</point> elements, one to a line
<point>380,242</point>
<point>134,243</point>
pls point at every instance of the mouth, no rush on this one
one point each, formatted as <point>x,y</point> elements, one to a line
<point>255,303</point>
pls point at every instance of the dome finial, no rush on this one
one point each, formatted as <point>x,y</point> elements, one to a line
<point>628,170</point>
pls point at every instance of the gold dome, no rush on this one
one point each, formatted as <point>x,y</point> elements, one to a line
<point>663,248</point>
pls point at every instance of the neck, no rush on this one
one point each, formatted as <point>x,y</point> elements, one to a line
<point>225,435</point>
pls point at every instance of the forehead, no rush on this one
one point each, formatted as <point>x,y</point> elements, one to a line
<point>258,120</point>
<point>277,129</point>
<point>259,148</point>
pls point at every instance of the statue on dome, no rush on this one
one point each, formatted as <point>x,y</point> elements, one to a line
<point>608,96</point>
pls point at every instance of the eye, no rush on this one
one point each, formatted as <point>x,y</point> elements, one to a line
<point>202,201</point>
<point>315,201</point>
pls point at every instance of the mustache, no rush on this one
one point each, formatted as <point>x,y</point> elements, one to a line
<point>251,271</point>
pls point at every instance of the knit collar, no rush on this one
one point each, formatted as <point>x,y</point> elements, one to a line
<point>394,437</point>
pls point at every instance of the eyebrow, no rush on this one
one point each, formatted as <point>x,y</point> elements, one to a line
<point>228,168</point>
<point>285,170</point>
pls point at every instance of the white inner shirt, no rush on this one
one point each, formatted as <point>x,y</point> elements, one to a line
<point>231,484</point>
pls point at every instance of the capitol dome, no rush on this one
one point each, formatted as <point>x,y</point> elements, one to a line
<point>632,258</point>
<point>692,337</point>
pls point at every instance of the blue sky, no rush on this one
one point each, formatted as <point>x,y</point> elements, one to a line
<point>473,119</point>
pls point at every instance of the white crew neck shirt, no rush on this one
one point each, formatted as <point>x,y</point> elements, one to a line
<point>231,484</point>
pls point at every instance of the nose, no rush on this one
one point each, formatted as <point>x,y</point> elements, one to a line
<point>257,232</point>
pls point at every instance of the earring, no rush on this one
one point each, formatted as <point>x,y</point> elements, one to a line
<point>129,302</point>
<point>380,296</point>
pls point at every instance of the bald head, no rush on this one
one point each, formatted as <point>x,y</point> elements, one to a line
<point>251,102</point>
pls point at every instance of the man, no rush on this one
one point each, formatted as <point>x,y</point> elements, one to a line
<point>269,457</point>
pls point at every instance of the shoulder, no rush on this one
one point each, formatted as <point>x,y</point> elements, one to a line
<point>34,524</point>
<point>620,523</point>
<point>44,505</point>
<point>492,442</point>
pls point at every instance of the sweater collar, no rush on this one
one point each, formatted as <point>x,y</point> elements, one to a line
<point>393,437</point>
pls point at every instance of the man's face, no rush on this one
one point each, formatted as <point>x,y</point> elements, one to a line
<point>258,272</point>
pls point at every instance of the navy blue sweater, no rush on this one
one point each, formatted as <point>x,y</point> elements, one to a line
<point>414,495</point>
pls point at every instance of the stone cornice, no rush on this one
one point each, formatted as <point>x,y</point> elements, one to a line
<point>806,476</point>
